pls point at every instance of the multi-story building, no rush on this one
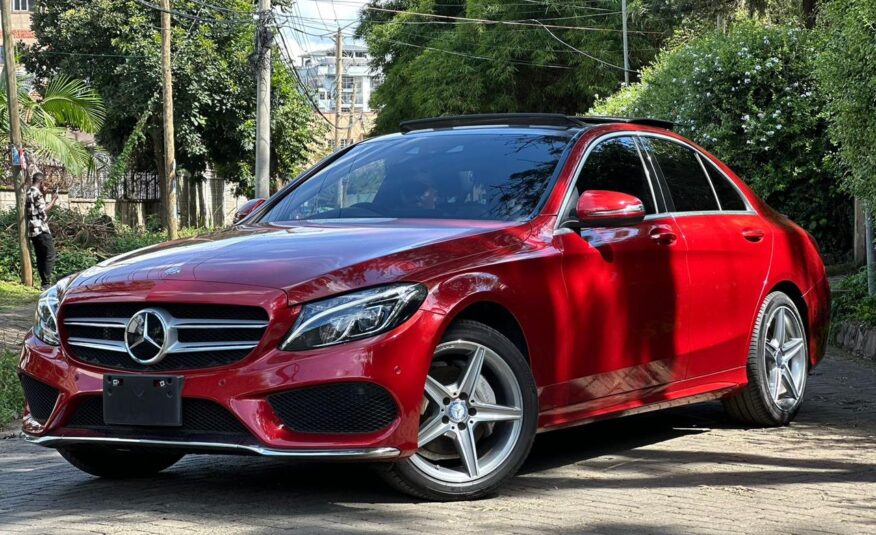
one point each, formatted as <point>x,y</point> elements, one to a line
<point>21,31</point>
<point>319,75</point>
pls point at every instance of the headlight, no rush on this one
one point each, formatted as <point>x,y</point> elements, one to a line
<point>45,325</point>
<point>353,316</point>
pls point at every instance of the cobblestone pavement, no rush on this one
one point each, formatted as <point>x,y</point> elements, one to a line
<point>681,471</point>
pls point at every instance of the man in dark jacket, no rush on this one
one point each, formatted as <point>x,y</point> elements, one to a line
<point>36,210</point>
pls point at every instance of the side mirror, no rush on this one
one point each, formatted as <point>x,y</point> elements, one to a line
<point>247,208</point>
<point>599,208</point>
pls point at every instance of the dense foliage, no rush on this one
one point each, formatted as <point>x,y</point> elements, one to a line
<point>846,72</point>
<point>81,240</point>
<point>115,45</point>
<point>749,96</point>
<point>434,66</point>
<point>850,300</point>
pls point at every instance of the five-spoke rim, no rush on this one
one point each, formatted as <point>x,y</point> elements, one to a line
<point>479,413</point>
<point>785,351</point>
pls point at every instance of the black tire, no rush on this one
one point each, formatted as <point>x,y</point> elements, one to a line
<point>406,477</point>
<point>754,405</point>
<point>111,463</point>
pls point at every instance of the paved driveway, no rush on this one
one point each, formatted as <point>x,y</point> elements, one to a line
<point>686,470</point>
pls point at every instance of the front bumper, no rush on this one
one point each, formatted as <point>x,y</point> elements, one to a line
<point>372,454</point>
<point>396,361</point>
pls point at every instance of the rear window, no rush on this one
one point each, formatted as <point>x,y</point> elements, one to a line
<point>444,176</point>
<point>688,185</point>
<point>728,195</point>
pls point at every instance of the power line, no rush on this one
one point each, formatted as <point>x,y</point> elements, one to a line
<point>500,22</point>
<point>585,54</point>
<point>196,18</point>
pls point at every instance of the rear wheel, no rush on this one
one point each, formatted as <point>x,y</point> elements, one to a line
<point>778,365</point>
<point>118,464</point>
<point>478,418</point>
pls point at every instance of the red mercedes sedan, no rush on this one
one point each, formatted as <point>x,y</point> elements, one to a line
<point>432,299</point>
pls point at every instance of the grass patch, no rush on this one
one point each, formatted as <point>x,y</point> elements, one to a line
<point>11,396</point>
<point>14,295</point>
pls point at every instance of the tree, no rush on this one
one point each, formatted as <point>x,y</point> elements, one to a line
<point>48,113</point>
<point>846,73</point>
<point>115,45</point>
<point>750,97</point>
<point>439,66</point>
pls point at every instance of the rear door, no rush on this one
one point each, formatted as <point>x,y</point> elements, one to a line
<point>728,254</point>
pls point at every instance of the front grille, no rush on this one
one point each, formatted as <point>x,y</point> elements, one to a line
<point>199,417</point>
<point>40,398</point>
<point>338,408</point>
<point>206,336</point>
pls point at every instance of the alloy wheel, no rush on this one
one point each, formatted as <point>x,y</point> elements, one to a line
<point>472,414</point>
<point>785,351</point>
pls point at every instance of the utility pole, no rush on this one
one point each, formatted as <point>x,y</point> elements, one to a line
<point>352,114</point>
<point>626,45</point>
<point>169,146</point>
<point>18,178</point>
<point>263,102</point>
<point>339,82</point>
<point>868,226</point>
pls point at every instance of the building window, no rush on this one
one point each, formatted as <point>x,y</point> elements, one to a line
<point>21,5</point>
<point>348,82</point>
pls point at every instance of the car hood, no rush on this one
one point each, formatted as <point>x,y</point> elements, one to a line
<point>309,260</point>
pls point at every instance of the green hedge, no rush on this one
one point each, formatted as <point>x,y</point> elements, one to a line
<point>846,72</point>
<point>750,98</point>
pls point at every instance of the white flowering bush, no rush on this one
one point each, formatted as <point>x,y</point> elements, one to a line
<point>749,96</point>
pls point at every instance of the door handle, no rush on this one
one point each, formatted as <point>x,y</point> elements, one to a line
<point>753,234</point>
<point>662,235</point>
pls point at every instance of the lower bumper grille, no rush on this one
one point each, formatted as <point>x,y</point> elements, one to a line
<point>338,408</point>
<point>199,417</point>
<point>41,398</point>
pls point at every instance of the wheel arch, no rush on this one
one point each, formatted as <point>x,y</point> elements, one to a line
<point>496,316</point>
<point>790,289</point>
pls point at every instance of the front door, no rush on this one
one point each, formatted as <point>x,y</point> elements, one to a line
<point>628,286</point>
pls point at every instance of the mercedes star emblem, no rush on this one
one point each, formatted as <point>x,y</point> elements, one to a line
<point>148,335</point>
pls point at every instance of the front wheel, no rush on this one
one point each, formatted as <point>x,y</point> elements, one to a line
<point>477,420</point>
<point>778,365</point>
<point>111,463</point>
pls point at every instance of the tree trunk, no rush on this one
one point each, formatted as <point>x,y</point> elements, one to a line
<point>810,11</point>
<point>859,247</point>
<point>202,205</point>
<point>158,151</point>
<point>19,181</point>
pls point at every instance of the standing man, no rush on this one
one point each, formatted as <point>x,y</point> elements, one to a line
<point>38,227</point>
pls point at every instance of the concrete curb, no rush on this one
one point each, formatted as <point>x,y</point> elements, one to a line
<point>856,338</point>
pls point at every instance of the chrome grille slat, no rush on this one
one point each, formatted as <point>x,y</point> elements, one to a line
<point>95,333</point>
<point>93,343</point>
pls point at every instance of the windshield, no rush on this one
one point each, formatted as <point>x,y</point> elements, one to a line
<point>494,176</point>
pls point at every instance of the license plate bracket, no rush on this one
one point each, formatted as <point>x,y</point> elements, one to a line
<point>143,400</point>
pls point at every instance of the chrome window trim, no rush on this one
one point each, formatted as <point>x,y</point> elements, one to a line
<point>708,179</point>
<point>568,195</point>
<point>750,209</point>
<point>325,454</point>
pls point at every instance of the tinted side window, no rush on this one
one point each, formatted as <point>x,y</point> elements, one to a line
<point>727,194</point>
<point>688,185</point>
<point>615,165</point>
